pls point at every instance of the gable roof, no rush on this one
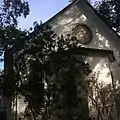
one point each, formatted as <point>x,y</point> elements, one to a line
<point>114,33</point>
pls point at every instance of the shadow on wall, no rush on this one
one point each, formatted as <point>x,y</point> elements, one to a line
<point>66,22</point>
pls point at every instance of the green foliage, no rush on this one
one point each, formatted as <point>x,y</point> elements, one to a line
<point>10,36</point>
<point>10,10</point>
<point>110,12</point>
<point>67,87</point>
<point>51,82</point>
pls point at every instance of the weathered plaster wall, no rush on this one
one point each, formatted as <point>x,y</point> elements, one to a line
<point>102,36</point>
<point>64,23</point>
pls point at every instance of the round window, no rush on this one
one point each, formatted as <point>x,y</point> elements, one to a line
<point>83,33</point>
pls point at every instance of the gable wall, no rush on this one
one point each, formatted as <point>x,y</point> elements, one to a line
<point>103,37</point>
<point>79,12</point>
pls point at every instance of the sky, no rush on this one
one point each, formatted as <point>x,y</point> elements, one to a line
<point>42,10</point>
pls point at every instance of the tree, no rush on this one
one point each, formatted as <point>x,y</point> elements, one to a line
<point>54,76</point>
<point>10,10</point>
<point>110,12</point>
<point>42,72</point>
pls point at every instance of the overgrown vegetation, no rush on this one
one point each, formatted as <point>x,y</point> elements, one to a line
<point>54,84</point>
<point>51,81</point>
<point>110,12</point>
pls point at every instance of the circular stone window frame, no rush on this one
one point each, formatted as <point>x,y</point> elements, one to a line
<point>88,29</point>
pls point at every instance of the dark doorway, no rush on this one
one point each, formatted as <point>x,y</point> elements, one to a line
<point>3,115</point>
